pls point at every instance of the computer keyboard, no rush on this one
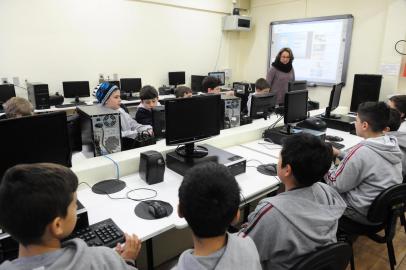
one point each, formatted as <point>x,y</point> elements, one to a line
<point>337,145</point>
<point>104,233</point>
<point>67,105</point>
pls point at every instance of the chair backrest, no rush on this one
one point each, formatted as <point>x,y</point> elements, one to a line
<point>332,257</point>
<point>390,200</point>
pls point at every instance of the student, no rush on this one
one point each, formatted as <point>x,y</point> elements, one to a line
<point>149,100</point>
<point>108,96</point>
<point>392,129</point>
<point>183,92</point>
<point>398,102</point>
<point>211,85</point>
<point>261,87</point>
<point>17,107</point>
<point>38,209</point>
<point>209,198</point>
<point>369,167</point>
<point>288,226</point>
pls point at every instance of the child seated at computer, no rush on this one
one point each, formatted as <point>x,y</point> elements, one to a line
<point>183,92</point>
<point>38,204</point>
<point>261,87</point>
<point>398,102</point>
<point>209,199</point>
<point>211,85</point>
<point>288,226</point>
<point>17,107</point>
<point>108,95</point>
<point>149,100</point>
<point>393,129</point>
<point>369,167</point>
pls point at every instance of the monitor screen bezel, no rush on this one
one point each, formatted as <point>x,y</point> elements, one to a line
<point>286,106</point>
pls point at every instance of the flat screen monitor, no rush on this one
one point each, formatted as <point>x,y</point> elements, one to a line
<point>297,85</point>
<point>295,106</point>
<point>176,78</point>
<point>192,119</point>
<point>130,85</point>
<point>7,91</point>
<point>221,76</point>
<point>196,83</point>
<point>76,89</point>
<point>262,105</point>
<point>36,138</point>
<point>335,95</point>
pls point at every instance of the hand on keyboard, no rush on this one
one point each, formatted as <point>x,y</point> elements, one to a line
<point>130,249</point>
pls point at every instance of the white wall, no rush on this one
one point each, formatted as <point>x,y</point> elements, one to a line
<point>51,41</point>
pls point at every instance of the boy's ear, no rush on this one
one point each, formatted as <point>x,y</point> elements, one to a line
<point>56,228</point>
<point>236,219</point>
<point>180,214</point>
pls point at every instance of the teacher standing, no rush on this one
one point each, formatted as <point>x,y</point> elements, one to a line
<point>280,74</point>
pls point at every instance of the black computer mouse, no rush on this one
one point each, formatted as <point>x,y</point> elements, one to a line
<point>268,169</point>
<point>334,138</point>
<point>157,210</point>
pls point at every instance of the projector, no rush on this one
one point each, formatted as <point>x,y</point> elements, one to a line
<point>236,23</point>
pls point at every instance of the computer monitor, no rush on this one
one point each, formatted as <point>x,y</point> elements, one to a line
<point>219,75</point>
<point>189,120</point>
<point>158,121</point>
<point>295,109</point>
<point>334,101</point>
<point>196,83</point>
<point>262,105</point>
<point>76,89</point>
<point>7,91</point>
<point>176,78</point>
<point>130,85</point>
<point>45,139</point>
<point>297,85</point>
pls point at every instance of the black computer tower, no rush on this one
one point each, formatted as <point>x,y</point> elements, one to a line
<point>366,88</point>
<point>38,95</point>
<point>230,112</point>
<point>158,121</point>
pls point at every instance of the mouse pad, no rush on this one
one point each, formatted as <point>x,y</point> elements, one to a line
<point>141,210</point>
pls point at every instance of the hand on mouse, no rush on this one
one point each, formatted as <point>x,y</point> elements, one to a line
<point>130,249</point>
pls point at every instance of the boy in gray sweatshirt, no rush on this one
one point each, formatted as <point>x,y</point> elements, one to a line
<point>38,209</point>
<point>209,199</point>
<point>369,167</point>
<point>287,227</point>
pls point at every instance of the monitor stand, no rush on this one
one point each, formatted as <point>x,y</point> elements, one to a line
<point>190,151</point>
<point>78,102</point>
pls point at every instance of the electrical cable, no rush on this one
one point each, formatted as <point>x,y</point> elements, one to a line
<point>117,167</point>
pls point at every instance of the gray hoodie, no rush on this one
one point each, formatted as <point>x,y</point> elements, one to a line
<point>366,170</point>
<point>294,223</point>
<point>401,137</point>
<point>238,254</point>
<point>75,255</point>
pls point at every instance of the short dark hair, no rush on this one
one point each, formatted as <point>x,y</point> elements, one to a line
<point>261,84</point>
<point>394,120</point>
<point>376,114</point>
<point>309,157</point>
<point>148,92</point>
<point>400,104</point>
<point>209,197</point>
<point>32,196</point>
<point>180,91</point>
<point>210,82</point>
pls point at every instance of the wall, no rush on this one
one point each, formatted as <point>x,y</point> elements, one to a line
<point>52,41</point>
<point>378,24</point>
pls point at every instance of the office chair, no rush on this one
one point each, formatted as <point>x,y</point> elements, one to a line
<point>384,210</point>
<point>332,257</point>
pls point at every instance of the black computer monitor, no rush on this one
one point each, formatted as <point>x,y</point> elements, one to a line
<point>7,91</point>
<point>196,83</point>
<point>45,139</point>
<point>116,83</point>
<point>76,89</point>
<point>158,121</point>
<point>334,101</point>
<point>189,120</point>
<point>130,85</point>
<point>176,78</point>
<point>295,109</point>
<point>297,85</point>
<point>262,105</point>
<point>220,75</point>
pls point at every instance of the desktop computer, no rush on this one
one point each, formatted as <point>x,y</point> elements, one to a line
<point>101,130</point>
<point>38,95</point>
<point>230,110</point>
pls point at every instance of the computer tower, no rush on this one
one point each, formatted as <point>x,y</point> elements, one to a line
<point>158,121</point>
<point>366,88</point>
<point>101,130</point>
<point>38,95</point>
<point>231,112</point>
<point>243,90</point>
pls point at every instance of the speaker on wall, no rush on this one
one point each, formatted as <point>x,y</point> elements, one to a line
<point>366,88</point>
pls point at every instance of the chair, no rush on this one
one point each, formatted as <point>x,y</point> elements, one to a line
<point>384,210</point>
<point>332,257</point>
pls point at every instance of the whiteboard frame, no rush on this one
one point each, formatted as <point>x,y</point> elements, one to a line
<point>348,37</point>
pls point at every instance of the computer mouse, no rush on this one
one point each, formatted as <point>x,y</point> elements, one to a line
<point>157,210</point>
<point>334,138</point>
<point>268,169</point>
<point>313,123</point>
